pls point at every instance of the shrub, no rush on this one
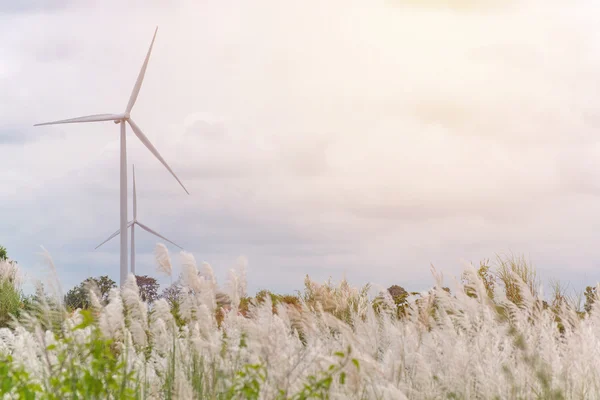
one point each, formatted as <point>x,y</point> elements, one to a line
<point>10,292</point>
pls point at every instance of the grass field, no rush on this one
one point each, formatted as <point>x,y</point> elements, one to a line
<point>491,337</point>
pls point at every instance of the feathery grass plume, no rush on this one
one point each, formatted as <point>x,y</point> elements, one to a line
<point>208,274</point>
<point>234,288</point>
<point>53,283</point>
<point>112,319</point>
<point>189,275</point>
<point>460,344</point>
<point>9,271</point>
<point>47,310</point>
<point>136,311</point>
<point>163,260</point>
<point>198,297</point>
<point>242,269</point>
<point>514,270</point>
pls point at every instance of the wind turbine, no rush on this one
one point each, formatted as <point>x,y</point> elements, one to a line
<point>132,225</point>
<point>122,119</point>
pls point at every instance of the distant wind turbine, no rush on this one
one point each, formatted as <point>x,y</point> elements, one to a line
<point>132,225</point>
<point>121,119</point>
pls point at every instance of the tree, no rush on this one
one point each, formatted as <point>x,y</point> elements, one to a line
<point>400,297</point>
<point>172,294</point>
<point>4,256</point>
<point>148,287</point>
<point>398,293</point>
<point>78,297</point>
<point>104,284</point>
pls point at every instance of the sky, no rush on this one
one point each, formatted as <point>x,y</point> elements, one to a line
<point>364,139</point>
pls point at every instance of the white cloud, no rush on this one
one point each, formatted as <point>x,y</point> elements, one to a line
<point>382,134</point>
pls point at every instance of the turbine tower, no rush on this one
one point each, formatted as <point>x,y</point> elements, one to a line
<point>132,225</point>
<point>122,119</point>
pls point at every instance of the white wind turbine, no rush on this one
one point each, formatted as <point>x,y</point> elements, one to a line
<point>122,119</point>
<point>132,225</point>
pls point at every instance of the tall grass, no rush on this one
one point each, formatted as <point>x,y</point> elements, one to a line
<point>333,343</point>
<point>10,293</point>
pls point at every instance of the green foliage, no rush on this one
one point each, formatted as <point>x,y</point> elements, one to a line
<point>28,303</point>
<point>486,276</point>
<point>88,370</point>
<point>10,302</point>
<point>545,389</point>
<point>318,386</point>
<point>247,382</point>
<point>49,312</point>
<point>10,292</point>
<point>398,293</point>
<point>511,270</point>
<point>276,299</point>
<point>400,297</point>
<point>590,297</point>
<point>172,294</point>
<point>15,381</point>
<point>106,377</point>
<point>103,284</point>
<point>488,279</point>
<point>3,254</point>
<point>261,296</point>
<point>97,367</point>
<point>78,297</point>
<point>341,301</point>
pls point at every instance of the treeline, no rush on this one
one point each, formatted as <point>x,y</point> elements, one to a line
<point>510,279</point>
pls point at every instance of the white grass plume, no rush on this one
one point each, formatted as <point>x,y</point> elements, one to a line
<point>461,344</point>
<point>9,271</point>
<point>163,260</point>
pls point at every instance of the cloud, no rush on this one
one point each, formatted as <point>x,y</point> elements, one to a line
<point>27,6</point>
<point>454,5</point>
<point>10,136</point>
<point>20,136</point>
<point>207,130</point>
<point>365,137</point>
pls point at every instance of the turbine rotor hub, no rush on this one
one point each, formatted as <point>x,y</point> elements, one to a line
<point>125,118</point>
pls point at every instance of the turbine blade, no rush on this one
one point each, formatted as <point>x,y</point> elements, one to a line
<point>140,79</point>
<point>88,118</point>
<point>113,235</point>
<point>153,150</point>
<point>156,234</point>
